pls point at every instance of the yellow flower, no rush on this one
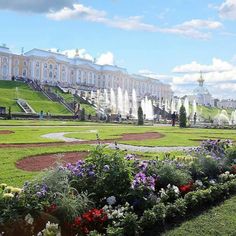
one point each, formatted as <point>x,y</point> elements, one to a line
<point>3,186</point>
<point>16,190</point>
<point>8,189</point>
<point>8,195</point>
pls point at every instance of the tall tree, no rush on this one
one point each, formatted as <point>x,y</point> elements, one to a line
<point>140,116</point>
<point>182,117</point>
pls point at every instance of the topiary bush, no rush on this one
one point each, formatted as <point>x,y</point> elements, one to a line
<point>182,117</point>
<point>140,116</point>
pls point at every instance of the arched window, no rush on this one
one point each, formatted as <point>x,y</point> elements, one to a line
<point>5,70</point>
<point>50,67</point>
<point>24,73</point>
<point>50,74</point>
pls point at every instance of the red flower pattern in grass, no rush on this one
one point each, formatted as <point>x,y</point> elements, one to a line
<point>186,188</point>
<point>91,220</point>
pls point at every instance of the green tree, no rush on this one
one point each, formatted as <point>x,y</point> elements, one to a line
<point>82,115</point>
<point>9,116</point>
<point>140,116</point>
<point>182,117</point>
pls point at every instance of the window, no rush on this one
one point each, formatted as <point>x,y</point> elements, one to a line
<point>45,66</point>
<point>5,70</point>
<point>50,66</point>
<point>24,73</point>
<point>50,75</point>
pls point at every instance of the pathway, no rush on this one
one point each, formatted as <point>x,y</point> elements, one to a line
<point>132,148</point>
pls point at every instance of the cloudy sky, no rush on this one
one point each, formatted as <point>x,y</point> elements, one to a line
<point>172,40</point>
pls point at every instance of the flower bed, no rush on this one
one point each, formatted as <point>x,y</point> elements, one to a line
<point>112,193</point>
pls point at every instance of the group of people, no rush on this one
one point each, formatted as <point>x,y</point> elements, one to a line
<point>174,118</point>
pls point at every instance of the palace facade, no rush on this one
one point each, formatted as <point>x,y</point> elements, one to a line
<point>52,68</point>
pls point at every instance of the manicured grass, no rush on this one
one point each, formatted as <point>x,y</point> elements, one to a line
<point>220,220</point>
<point>68,97</point>
<point>9,174</point>
<point>12,90</point>
<point>209,113</point>
<point>173,136</point>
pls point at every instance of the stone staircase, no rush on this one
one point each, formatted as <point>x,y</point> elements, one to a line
<point>25,106</point>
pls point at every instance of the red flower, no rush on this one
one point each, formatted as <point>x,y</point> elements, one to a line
<point>78,221</point>
<point>186,188</point>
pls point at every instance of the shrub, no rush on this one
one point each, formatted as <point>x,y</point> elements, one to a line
<point>169,174</point>
<point>140,116</point>
<point>182,117</point>
<point>82,115</point>
<point>103,174</point>
<point>230,158</point>
<point>204,167</point>
<point>115,231</point>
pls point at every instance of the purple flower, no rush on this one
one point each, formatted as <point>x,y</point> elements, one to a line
<point>91,173</point>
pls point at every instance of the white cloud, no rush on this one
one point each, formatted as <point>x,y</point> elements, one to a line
<point>217,66</point>
<point>195,28</point>
<point>78,11</point>
<point>220,78</point>
<point>105,59</point>
<point>227,9</point>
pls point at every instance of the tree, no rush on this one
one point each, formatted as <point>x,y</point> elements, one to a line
<point>9,116</point>
<point>182,117</point>
<point>82,115</point>
<point>140,116</point>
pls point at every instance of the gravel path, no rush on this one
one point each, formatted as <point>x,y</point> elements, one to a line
<point>61,137</point>
<point>132,148</point>
<point>147,149</point>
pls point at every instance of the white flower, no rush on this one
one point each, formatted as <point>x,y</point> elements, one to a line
<point>29,219</point>
<point>212,181</point>
<point>111,200</point>
<point>162,192</point>
<point>199,183</point>
<point>176,189</point>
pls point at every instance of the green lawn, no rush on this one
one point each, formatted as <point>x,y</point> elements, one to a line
<point>12,90</point>
<point>9,174</point>
<point>172,136</point>
<point>219,221</point>
<point>68,97</point>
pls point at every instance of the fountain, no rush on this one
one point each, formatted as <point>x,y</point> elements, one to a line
<point>120,105</point>
<point>113,101</point>
<point>126,104</point>
<point>179,105</point>
<point>186,105</point>
<point>106,97</point>
<point>222,118</point>
<point>233,118</point>
<point>147,107</point>
<point>173,106</point>
<point>134,104</point>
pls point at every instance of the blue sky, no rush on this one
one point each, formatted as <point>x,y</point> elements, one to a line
<point>171,40</point>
